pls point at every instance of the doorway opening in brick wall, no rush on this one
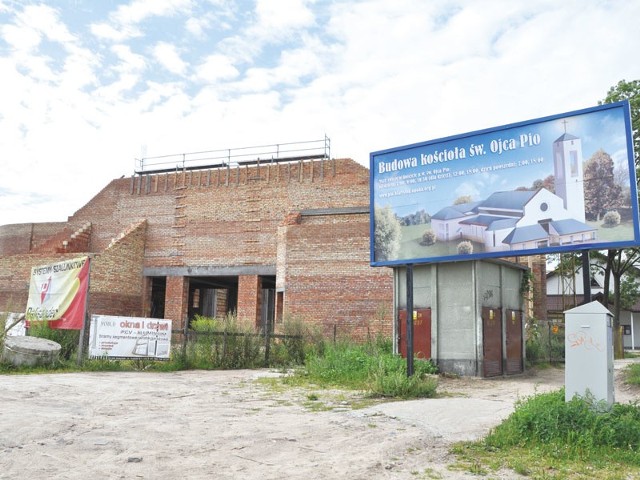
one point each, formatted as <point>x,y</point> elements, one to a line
<point>158,295</point>
<point>212,296</point>
<point>268,303</point>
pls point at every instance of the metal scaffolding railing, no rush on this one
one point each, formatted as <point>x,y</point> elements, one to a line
<point>278,152</point>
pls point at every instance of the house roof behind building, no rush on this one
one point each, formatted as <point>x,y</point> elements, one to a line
<point>526,234</point>
<point>483,220</point>
<point>569,226</point>
<point>502,223</point>
<point>456,211</point>
<point>510,200</point>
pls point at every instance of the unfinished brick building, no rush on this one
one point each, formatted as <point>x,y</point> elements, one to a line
<point>267,240</point>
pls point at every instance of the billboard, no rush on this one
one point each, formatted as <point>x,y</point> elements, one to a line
<point>560,183</point>
<point>129,338</point>
<point>58,293</point>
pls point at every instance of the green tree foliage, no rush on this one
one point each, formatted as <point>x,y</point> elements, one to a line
<point>461,200</point>
<point>601,192</point>
<point>618,262</point>
<point>628,91</point>
<point>550,183</point>
<point>386,235</point>
<point>419,218</point>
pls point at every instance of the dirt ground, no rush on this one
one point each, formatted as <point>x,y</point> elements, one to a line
<point>230,425</point>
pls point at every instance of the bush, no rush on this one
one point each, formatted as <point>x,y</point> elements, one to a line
<point>611,219</point>
<point>224,343</point>
<point>386,235</point>
<point>465,247</point>
<point>68,339</point>
<point>428,238</point>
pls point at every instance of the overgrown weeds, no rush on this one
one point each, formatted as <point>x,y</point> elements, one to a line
<point>632,374</point>
<point>371,367</point>
<point>547,437</point>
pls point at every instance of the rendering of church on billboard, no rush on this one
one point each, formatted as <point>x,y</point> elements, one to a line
<point>560,183</point>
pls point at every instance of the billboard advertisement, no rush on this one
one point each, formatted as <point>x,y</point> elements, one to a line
<point>129,338</point>
<point>58,293</point>
<point>560,183</point>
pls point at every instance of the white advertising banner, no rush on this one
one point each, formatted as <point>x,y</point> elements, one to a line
<point>129,337</point>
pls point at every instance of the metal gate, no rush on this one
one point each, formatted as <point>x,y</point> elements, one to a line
<point>514,342</point>
<point>421,333</point>
<point>492,341</point>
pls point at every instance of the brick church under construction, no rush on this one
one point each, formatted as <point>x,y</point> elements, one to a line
<point>272,240</point>
<point>287,238</point>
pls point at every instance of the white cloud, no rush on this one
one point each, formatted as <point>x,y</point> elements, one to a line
<point>140,10</point>
<point>168,56</point>
<point>371,74</point>
<point>216,67</point>
<point>276,17</point>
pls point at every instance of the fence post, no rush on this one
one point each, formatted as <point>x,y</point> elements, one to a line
<point>185,332</point>
<point>267,339</point>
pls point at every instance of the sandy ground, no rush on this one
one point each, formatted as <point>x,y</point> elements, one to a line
<point>229,425</point>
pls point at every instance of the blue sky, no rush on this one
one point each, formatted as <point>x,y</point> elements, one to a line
<point>89,86</point>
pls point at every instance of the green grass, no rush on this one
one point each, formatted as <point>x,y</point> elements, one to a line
<point>370,367</point>
<point>622,232</point>
<point>632,374</point>
<point>412,236</point>
<point>548,438</point>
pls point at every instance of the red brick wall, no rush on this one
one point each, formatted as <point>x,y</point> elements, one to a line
<point>177,296</point>
<point>249,295</point>
<point>220,218</point>
<point>22,237</point>
<point>328,280</point>
<point>117,286</point>
<point>115,281</point>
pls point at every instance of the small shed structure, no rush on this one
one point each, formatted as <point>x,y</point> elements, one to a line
<point>468,316</point>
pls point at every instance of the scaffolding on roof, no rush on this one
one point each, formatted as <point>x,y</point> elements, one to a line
<point>231,157</point>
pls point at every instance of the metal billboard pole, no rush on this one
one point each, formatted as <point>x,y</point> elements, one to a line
<point>409,320</point>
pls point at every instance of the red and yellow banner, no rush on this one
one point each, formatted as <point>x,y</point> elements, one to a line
<point>58,293</point>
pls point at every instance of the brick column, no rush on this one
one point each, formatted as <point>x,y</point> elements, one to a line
<point>176,300</point>
<point>249,295</point>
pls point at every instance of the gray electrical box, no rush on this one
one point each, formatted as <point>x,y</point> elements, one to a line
<point>589,353</point>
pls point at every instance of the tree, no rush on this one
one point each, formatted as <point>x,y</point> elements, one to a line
<point>601,192</point>
<point>550,183</point>
<point>620,261</point>
<point>386,235</point>
<point>461,200</point>
<point>628,91</point>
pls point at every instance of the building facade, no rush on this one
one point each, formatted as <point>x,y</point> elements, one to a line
<point>270,241</point>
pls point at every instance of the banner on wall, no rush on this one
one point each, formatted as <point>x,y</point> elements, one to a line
<point>129,338</point>
<point>58,293</point>
<point>561,183</point>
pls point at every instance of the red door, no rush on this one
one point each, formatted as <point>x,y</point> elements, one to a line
<point>421,333</point>
<point>492,341</point>
<point>514,342</point>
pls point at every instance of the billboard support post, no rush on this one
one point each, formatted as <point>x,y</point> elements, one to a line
<point>409,320</point>
<point>83,330</point>
<point>586,277</point>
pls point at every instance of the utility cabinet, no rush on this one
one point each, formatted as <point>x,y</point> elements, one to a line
<point>589,353</point>
<point>468,316</point>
